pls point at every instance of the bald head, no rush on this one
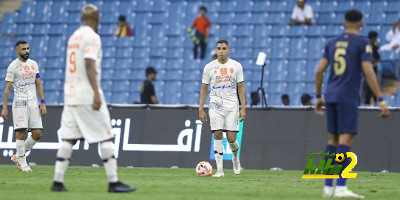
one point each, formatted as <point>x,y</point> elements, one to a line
<point>90,16</point>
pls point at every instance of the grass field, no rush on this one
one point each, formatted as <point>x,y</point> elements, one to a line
<point>160,183</point>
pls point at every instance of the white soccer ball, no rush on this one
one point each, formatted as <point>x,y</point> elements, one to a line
<point>204,168</point>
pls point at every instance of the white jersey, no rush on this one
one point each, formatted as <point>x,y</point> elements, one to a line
<point>299,14</point>
<point>23,76</point>
<point>83,44</point>
<point>222,80</point>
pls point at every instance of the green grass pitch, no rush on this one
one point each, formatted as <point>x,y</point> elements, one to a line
<point>161,183</point>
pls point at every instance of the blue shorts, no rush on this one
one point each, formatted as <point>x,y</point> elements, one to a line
<point>342,118</point>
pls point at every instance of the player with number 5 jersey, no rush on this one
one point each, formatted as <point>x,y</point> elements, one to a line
<point>349,55</point>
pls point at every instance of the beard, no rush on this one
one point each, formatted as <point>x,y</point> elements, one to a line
<point>25,56</point>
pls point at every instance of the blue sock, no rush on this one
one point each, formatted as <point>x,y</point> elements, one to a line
<point>330,149</point>
<point>343,149</point>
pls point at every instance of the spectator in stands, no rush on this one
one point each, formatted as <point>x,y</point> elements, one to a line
<point>373,36</point>
<point>306,99</point>
<point>302,14</point>
<point>285,99</point>
<point>393,37</point>
<point>202,26</point>
<point>123,28</point>
<point>147,92</point>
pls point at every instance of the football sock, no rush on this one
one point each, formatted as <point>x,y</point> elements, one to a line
<point>343,149</point>
<point>234,147</point>
<point>218,154</point>
<point>29,143</point>
<point>109,161</point>
<point>62,162</point>
<point>21,153</point>
<point>331,149</point>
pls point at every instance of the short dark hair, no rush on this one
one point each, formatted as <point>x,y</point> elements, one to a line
<point>353,15</point>
<point>150,70</point>
<point>223,42</point>
<point>20,42</point>
<point>122,18</point>
<point>372,34</point>
<point>285,96</point>
<point>305,98</point>
<point>203,8</point>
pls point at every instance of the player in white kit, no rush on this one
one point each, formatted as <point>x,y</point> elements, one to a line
<point>23,75</point>
<point>85,114</point>
<point>225,77</point>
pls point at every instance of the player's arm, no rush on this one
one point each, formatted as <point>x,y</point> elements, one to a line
<point>203,96</point>
<point>372,81</point>
<point>4,112</point>
<point>91,73</point>
<point>154,99</point>
<point>39,88</point>
<point>319,77</point>
<point>242,97</point>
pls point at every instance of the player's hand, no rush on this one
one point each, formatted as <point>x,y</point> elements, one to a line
<point>318,106</point>
<point>202,116</point>
<point>385,112</point>
<point>242,114</point>
<point>395,47</point>
<point>4,113</point>
<point>96,101</point>
<point>43,110</point>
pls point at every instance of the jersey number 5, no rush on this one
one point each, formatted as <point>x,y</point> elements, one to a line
<point>340,63</point>
<point>72,61</point>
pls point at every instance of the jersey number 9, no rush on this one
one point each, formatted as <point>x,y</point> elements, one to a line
<point>72,61</point>
<point>340,63</point>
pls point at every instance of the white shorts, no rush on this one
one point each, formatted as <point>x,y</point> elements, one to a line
<point>224,120</point>
<point>27,118</point>
<point>82,122</point>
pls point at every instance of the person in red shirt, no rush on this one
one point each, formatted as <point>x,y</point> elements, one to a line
<point>202,26</point>
<point>123,29</point>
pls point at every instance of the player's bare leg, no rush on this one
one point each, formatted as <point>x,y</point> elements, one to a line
<point>62,162</point>
<point>218,153</point>
<point>345,143</point>
<point>234,145</point>
<point>19,158</point>
<point>333,143</point>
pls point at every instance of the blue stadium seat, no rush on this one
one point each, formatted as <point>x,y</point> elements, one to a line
<point>106,29</point>
<point>120,97</point>
<point>124,62</point>
<point>50,84</point>
<point>121,85</point>
<point>124,52</point>
<point>107,85</point>
<point>54,96</point>
<point>174,93</point>
<point>279,70</point>
<point>298,70</point>
<point>24,29</point>
<point>191,86</point>
<point>191,98</point>
<point>54,73</point>
<point>174,63</point>
<point>297,87</point>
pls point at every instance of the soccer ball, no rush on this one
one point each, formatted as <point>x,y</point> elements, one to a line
<point>204,168</point>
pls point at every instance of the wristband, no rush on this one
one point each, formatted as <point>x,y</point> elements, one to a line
<point>381,99</point>
<point>42,102</point>
<point>381,102</point>
<point>318,96</point>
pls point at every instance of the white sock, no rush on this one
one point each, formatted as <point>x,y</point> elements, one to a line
<point>109,161</point>
<point>341,188</point>
<point>20,146</point>
<point>62,162</point>
<point>329,188</point>
<point>234,147</point>
<point>218,154</point>
<point>29,143</point>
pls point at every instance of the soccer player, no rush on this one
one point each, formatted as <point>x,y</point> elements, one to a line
<point>224,75</point>
<point>23,75</point>
<point>85,114</point>
<point>349,54</point>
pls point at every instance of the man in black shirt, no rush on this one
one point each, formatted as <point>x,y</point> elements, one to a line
<point>373,36</point>
<point>147,92</point>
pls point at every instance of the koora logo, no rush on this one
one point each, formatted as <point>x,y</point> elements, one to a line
<point>327,168</point>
